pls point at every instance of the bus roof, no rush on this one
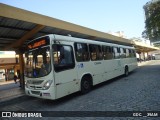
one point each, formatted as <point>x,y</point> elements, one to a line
<point>81,40</point>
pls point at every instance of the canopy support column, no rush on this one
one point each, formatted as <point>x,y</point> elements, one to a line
<point>21,62</point>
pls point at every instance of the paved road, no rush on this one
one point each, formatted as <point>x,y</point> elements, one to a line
<point>8,85</point>
<point>140,91</point>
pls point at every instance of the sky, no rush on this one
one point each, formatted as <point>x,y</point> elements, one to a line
<point>102,15</point>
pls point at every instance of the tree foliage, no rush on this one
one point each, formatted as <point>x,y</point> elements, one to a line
<point>152,27</point>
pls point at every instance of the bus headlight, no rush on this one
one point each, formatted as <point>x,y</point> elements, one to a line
<point>47,84</point>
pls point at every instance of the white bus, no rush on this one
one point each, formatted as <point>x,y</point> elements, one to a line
<point>56,65</point>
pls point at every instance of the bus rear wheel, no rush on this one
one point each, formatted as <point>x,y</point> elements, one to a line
<point>126,73</point>
<point>85,85</point>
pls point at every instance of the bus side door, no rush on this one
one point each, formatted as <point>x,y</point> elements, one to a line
<point>65,72</point>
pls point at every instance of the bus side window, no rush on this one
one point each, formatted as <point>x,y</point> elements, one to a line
<point>81,52</point>
<point>63,57</point>
<point>130,53</point>
<point>95,52</point>
<point>122,53</point>
<point>116,52</point>
<point>107,52</point>
<point>104,49</point>
<point>112,52</point>
<point>55,54</point>
<point>134,53</point>
<point>127,53</point>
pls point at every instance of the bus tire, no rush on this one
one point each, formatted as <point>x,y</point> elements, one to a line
<point>86,85</point>
<point>126,71</point>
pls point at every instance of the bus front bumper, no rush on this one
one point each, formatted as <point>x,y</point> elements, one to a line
<point>45,94</point>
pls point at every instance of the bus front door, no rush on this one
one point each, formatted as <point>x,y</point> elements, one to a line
<point>66,82</point>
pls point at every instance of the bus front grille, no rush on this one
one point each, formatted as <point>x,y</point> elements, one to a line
<point>36,87</point>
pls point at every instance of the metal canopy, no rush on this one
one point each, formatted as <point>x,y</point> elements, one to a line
<point>18,26</point>
<point>141,47</point>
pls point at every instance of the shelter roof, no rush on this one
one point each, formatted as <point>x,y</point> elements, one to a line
<point>18,26</point>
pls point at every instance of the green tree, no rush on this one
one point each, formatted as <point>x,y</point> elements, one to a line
<point>152,27</point>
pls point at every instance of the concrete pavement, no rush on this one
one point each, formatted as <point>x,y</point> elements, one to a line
<point>9,90</point>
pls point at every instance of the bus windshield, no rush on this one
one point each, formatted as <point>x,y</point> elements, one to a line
<point>37,62</point>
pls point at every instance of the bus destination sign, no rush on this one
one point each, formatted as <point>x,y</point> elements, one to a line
<point>38,43</point>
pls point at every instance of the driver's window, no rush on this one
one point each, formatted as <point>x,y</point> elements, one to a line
<point>63,57</point>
